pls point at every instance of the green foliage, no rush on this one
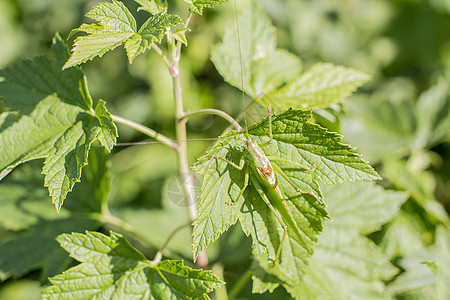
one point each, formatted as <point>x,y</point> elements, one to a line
<point>388,131</point>
<point>305,154</point>
<point>25,211</point>
<point>399,128</point>
<point>339,268</point>
<point>153,6</point>
<point>441,251</point>
<point>426,275</point>
<point>24,190</point>
<point>363,242</point>
<point>272,75</point>
<point>197,6</point>
<point>46,254</point>
<point>116,26</point>
<point>112,269</point>
<point>52,117</point>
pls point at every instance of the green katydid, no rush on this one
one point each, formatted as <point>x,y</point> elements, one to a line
<point>260,172</point>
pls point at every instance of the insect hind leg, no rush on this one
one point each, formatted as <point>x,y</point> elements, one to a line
<point>269,109</point>
<point>277,257</point>
<point>293,185</point>
<point>238,167</point>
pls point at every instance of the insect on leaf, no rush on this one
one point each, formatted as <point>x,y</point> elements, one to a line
<point>305,154</point>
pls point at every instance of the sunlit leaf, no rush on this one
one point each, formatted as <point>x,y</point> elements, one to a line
<point>264,68</point>
<point>382,129</point>
<point>197,6</point>
<point>273,76</point>
<point>116,26</point>
<point>111,268</point>
<point>153,6</point>
<point>320,86</point>
<point>306,154</point>
<point>347,265</point>
<point>420,184</point>
<point>51,117</point>
<point>417,278</point>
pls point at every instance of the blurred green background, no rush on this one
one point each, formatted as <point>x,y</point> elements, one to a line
<point>399,120</point>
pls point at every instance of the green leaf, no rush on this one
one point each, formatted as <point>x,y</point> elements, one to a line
<point>402,236</point>
<point>112,269</point>
<point>272,76</point>
<point>51,117</point>
<point>417,278</point>
<point>420,184</point>
<point>95,181</point>
<point>441,250</point>
<point>426,274</point>
<point>382,129</point>
<point>179,35</point>
<point>108,131</point>
<point>426,271</point>
<point>364,205</point>
<point>379,128</point>
<point>264,67</point>
<point>116,26</point>
<point>151,31</point>
<point>24,200</point>
<point>153,6</point>
<point>320,86</point>
<point>433,115</point>
<point>347,265</point>
<point>37,248</point>
<point>54,120</point>
<point>306,154</point>
<point>197,6</point>
<point>25,207</point>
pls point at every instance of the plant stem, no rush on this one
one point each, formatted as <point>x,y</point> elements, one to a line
<point>217,112</point>
<point>183,166</point>
<point>158,255</point>
<point>182,141</point>
<point>220,292</point>
<point>164,58</point>
<point>188,19</point>
<point>108,218</point>
<point>147,131</point>
<point>240,285</point>
<point>240,116</point>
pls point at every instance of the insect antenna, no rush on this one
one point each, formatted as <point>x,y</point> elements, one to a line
<point>241,68</point>
<point>159,143</point>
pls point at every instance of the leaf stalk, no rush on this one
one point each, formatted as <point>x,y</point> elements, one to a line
<point>240,285</point>
<point>158,255</point>
<point>217,112</point>
<point>147,131</point>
